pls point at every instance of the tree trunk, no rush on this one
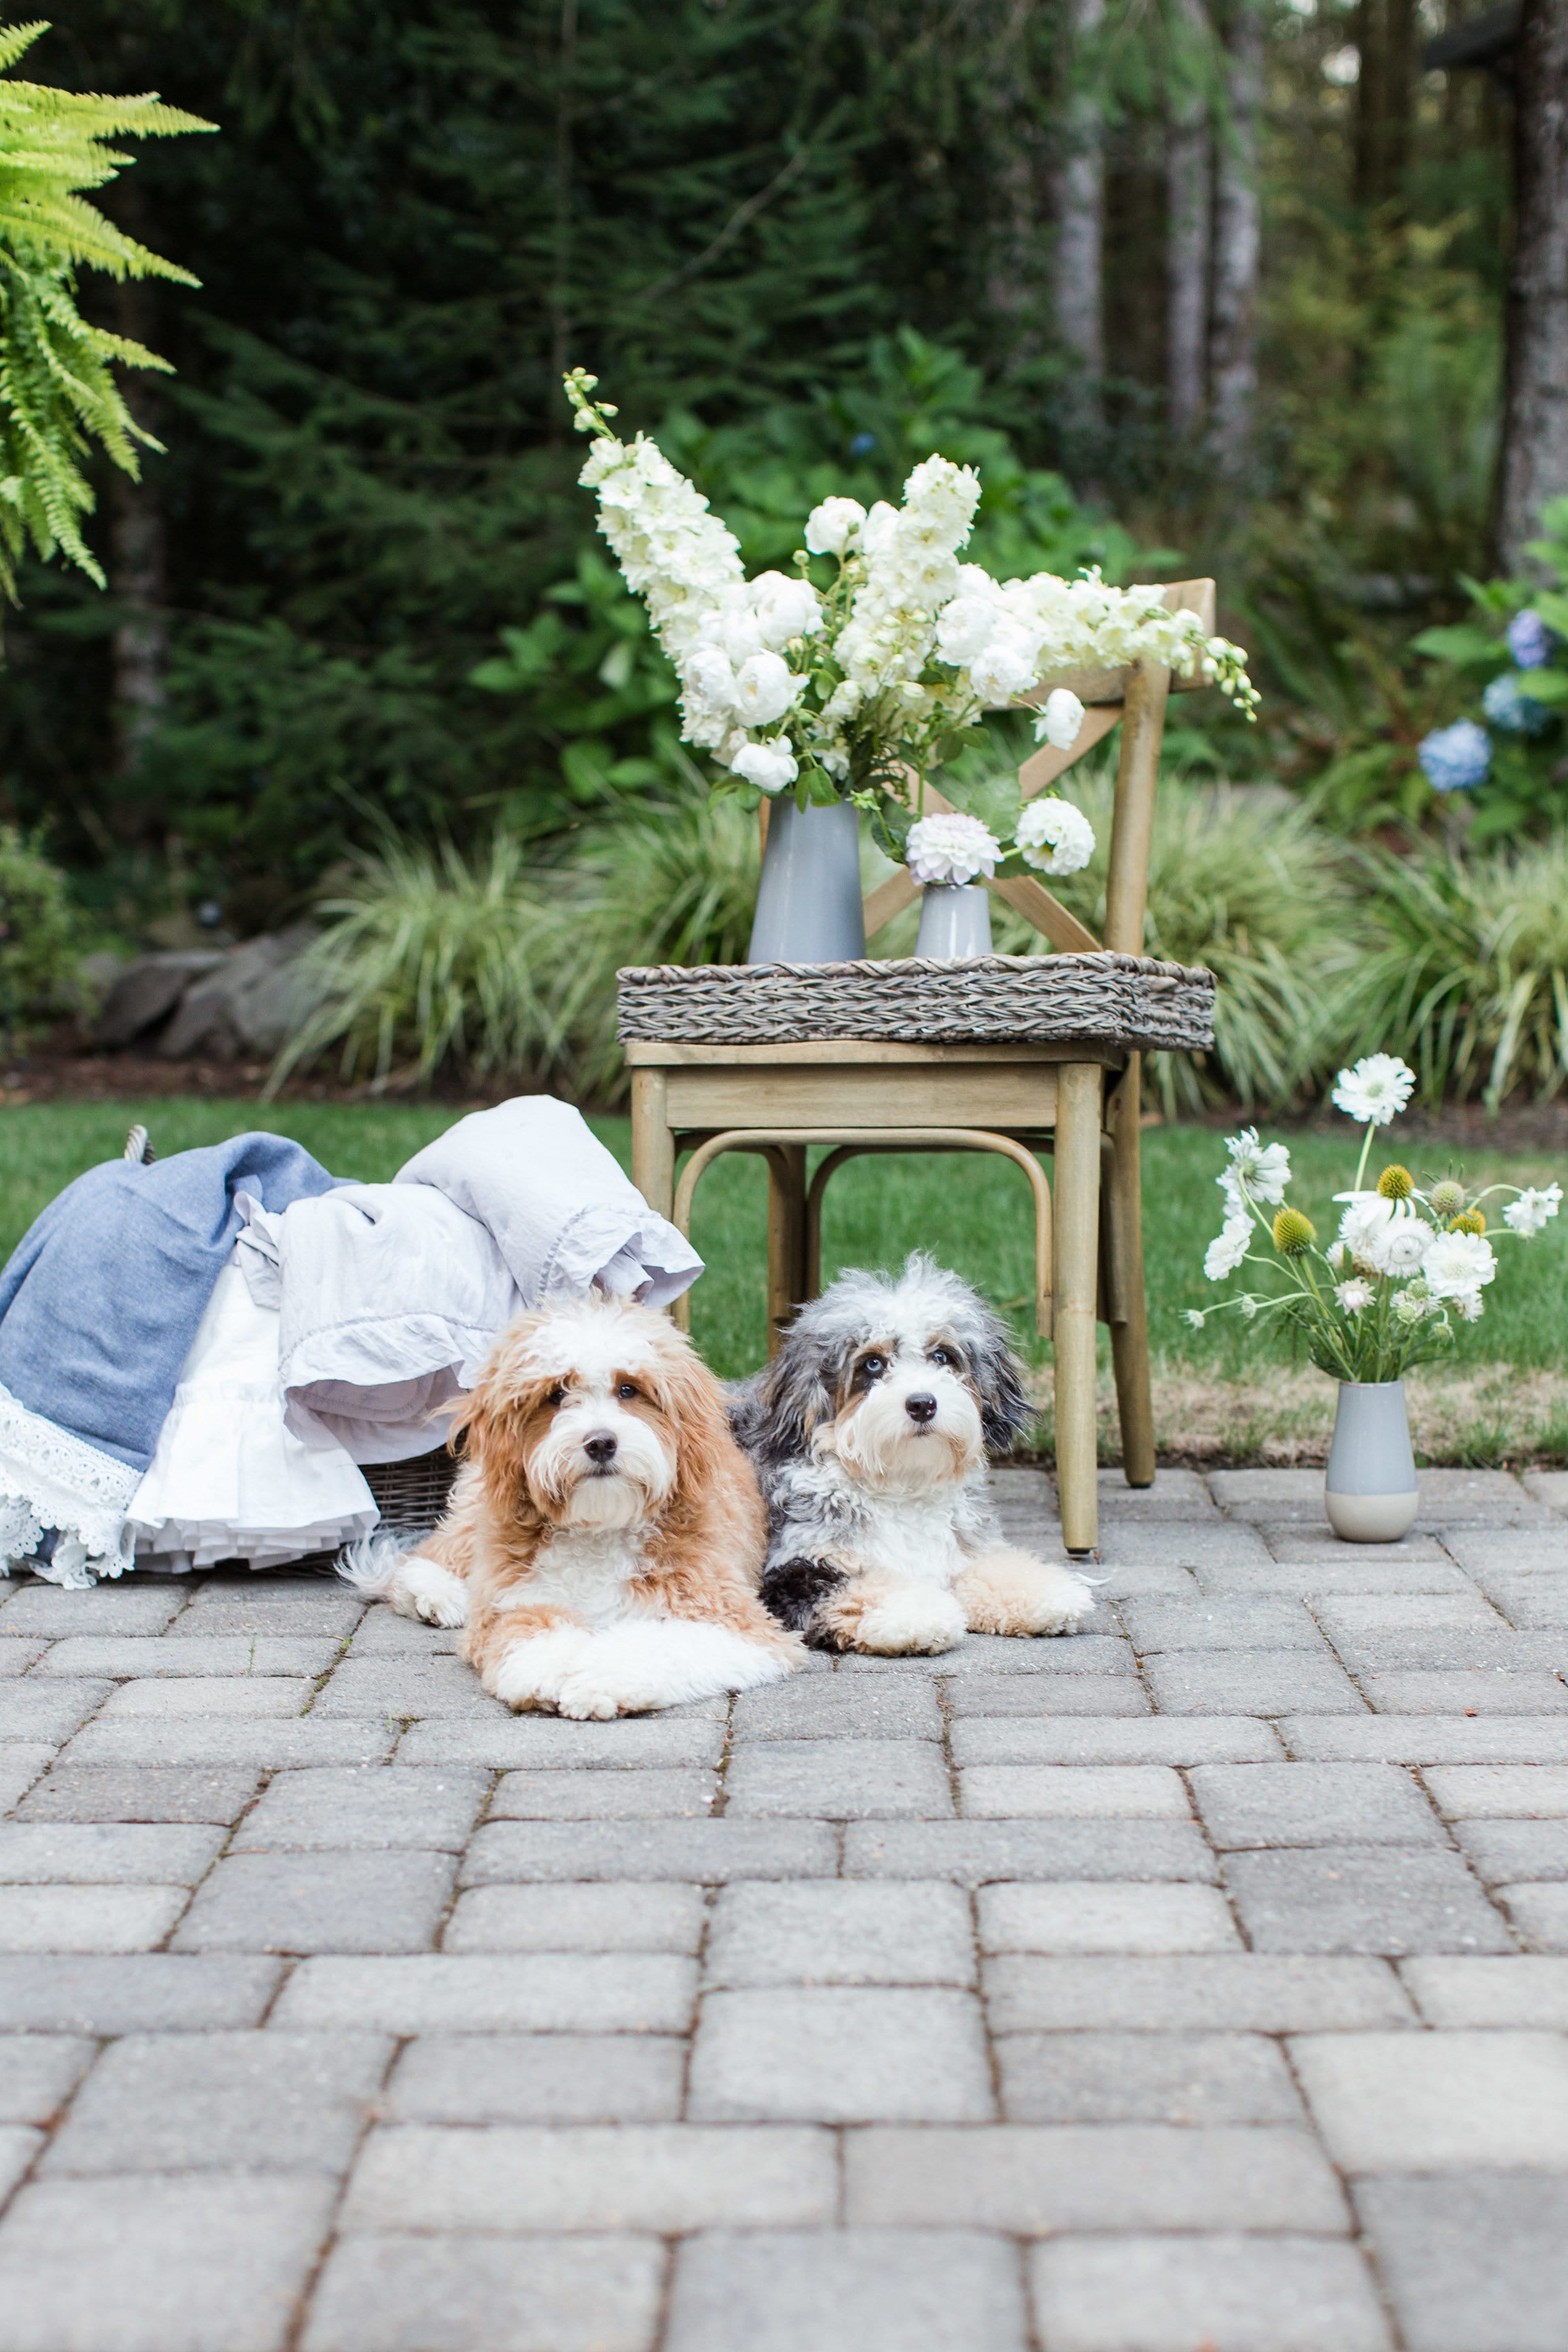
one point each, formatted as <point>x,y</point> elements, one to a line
<point>1013,244</point>
<point>1081,223</point>
<point>1386,98</point>
<point>1233,336</point>
<point>1535,413</point>
<point>1187,225</point>
<point>138,537</point>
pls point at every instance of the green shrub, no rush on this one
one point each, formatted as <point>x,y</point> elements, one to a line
<point>40,948</point>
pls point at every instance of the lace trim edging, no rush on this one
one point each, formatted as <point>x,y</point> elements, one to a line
<point>49,1478</point>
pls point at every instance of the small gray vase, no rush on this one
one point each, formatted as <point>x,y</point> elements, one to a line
<point>955,920</point>
<point>1369,1488</point>
<point>809,907</point>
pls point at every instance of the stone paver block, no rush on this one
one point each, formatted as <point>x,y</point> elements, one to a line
<point>1549,1487</point>
<point>841,1707</point>
<point>200,1655</point>
<point>1480,1498</point>
<point>671,2177</point>
<point>182,2264</point>
<point>151,1792</point>
<point>596,1918</point>
<point>1176,1544</point>
<point>269,1745</point>
<point>1478,1550</point>
<point>272,1604</point>
<point>1018,1792</point>
<point>21,1761</point>
<point>1501,1851</point>
<point>840,2055</point>
<point>264,2102</point>
<point>1236,1740</point>
<point>978,1654</point>
<point>658,1791</point>
<point>43,1853</point>
<point>840,1932</point>
<point>1452,2101</point>
<point>1426,1739</point>
<point>382,1634</point>
<point>708,1851</point>
<point>19,2146</point>
<point>1034,2180</point>
<point>843,1780</point>
<point>1379,1651</point>
<point>973,1852</point>
<point>88,1919</point>
<point>1244,1992</point>
<point>1539,1914</point>
<point>1531,1603</point>
<point>176,1697</point>
<point>1314,1805</point>
<point>358,1805</point>
<point>152,1992</point>
<point>1459,1612</point>
<point>1058,1694</point>
<point>1392,1899</point>
<point>539,1743</point>
<point>1167,2294</point>
<point>1487,1693</point>
<point>410,1687</point>
<point>1093,1917</point>
<point>22,1651</point>
<point>42,1708</point>
<point>1097,1658</point>
<point>1251,1681</point>
<point>533,1992</point>
<point>1522,1792</point>
<point>39,2073</point>
<point>1284,1495</point>
<point>1156,1625</point>
<point>1200,2079</point>
<point>854,2291</point>
<point>118,1611</point>
<point>467,2294</point>
<point>346,1902</point>
<point>538,2078</point>
<point>1477,2263</point>
<point>1529,1991</point>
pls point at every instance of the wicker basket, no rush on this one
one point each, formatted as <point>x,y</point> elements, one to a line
<point>1131,1002</point>
<point>412,1494</point>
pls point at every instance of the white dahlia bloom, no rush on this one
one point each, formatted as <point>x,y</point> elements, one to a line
<point>1529,1213</point>
<point>950,848</point>
<point>785,608</point>
<point>765,689</point>
<point>1375,1090</point>
<point>769,766</point>
<point>830,527</point>
<point>1228,1248</point>
<point>1054,836</point>
<point>1061,722</point>
<point>1457,1265</point>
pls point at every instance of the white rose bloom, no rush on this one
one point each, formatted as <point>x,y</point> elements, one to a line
<point>1061,721</point>
<point>1355,1297</point>
<point>1375,1090</point>
<point>876,533</point>
<point>709,678</point>
<point>830,527</point>
<point>1531,1210</point>
<point>785,608</point>
<point>1054,836</point>
<point>765,689</point>
<point>1457,1265</point>
<point>769,766</point>
<point>1263,1168</point>
<point>1228,1248</point>
<point>964,626</point>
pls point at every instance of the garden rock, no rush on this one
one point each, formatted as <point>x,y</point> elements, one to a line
<point>146,992</point>
<point>246,1004</point>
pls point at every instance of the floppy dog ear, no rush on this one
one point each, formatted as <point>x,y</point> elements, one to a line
<point>1004,1411</point>
<point>695,1403</point>
<point>792,1396</point>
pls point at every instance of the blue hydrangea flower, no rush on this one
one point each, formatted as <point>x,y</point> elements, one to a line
<point>1509,704</point>
<point>1455,759</point>
<point>1530,641</point>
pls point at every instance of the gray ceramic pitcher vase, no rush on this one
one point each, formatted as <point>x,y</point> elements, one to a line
<point>808,901</point>
<point>955,920</point>
<point>1369,1488</point>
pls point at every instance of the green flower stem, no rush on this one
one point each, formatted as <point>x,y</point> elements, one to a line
<point>1365,1149</point>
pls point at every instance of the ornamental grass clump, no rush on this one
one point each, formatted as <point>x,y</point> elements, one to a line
<point>1407,1265</point>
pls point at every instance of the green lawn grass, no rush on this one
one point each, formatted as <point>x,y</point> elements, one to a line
<point>971,1212</point>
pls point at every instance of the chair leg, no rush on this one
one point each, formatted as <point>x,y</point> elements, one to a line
<point>1130,1314</point>
<point>1077,1224</point>
<point>786,1237</point>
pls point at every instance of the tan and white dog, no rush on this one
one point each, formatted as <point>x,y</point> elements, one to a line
<point>603,1547</point>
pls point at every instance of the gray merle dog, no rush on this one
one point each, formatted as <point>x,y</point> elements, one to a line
<point>869,1430</point>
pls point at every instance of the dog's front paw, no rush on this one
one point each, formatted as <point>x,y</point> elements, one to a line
<point>1009,1593</point>
<point>418,1587</point>
<point>908,1620</point>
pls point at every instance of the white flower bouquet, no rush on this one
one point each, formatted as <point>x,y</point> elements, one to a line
<point>857,685</point>
<point>1406,1265</point>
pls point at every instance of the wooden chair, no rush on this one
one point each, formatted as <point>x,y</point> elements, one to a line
<point>1079,1102</point>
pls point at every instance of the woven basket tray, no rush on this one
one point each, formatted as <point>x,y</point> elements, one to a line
<point>1128,1002</point>
<point>412,1494</point>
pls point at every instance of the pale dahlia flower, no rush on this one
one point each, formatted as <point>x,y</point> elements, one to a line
<point>1375,1090</point>
<point>1054,836</point>
<point>950,848</point>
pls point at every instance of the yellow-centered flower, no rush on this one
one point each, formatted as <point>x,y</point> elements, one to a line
<point>1293,1233</point>
<point>1470,1221</point>
<point>1396,1183</point>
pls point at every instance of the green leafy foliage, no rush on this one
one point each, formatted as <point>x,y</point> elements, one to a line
<point>40,939</point>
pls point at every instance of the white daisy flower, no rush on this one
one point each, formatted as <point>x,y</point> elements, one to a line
<point>1457,1265</point>
<point>1375,1090</point>
<point>1531,1210</point>
<point>1263,1168</point>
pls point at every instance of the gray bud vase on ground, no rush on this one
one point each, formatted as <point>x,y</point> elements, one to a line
<point>1369,1488</point>
<point>955,920</point>
<point>809,907</point>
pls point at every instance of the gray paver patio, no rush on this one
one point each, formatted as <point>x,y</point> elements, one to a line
<point>1197,1979</point>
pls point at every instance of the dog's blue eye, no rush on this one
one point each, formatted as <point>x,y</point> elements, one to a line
<point>875,1365</point>
<point>940,1356</point>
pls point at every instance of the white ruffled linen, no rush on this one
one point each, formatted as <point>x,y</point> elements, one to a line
<point>52,1478</point>
<point>229,1480</point>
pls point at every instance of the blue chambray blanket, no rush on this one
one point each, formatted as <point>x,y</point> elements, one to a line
<point>99,1304</point>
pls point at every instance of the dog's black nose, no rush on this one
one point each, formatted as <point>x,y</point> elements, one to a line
<point>600,1447</point>
<point>921,1409</point>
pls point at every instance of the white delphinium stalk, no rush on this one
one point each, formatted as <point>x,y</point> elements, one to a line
<point>950,848</point>
<point>1053,836</point>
